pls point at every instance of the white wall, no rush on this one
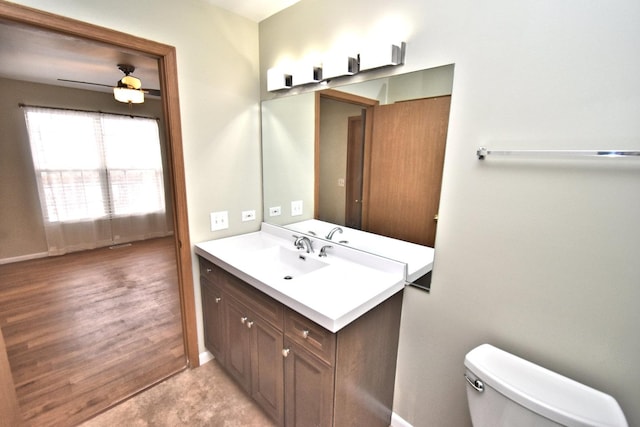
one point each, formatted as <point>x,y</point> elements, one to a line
<point>537,257</point>
<point>217,54</point>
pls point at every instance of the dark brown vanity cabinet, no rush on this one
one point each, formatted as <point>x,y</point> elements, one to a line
<point>308,372</point>
<point>212,316</point>
<point>300,373</point>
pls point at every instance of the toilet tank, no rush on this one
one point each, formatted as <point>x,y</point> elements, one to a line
<point>516,392</point>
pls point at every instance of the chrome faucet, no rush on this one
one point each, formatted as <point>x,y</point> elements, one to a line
<point>333,231</point>
<point>303,243</point>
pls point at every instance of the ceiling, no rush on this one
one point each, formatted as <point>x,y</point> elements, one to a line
<point>25,50</point>
<point>256,10</point>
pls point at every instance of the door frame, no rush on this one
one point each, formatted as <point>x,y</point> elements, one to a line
<point>337,95</point>
<point>166,56</point>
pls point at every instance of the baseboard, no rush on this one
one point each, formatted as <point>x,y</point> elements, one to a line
<point>204,357</point>
<point>24,257</point>
<point>397,421</point>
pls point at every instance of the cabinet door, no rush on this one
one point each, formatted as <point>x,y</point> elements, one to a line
<point>267,368</point>
<point>238,343</point>
<point>308,388</point>
<point>213,318</point>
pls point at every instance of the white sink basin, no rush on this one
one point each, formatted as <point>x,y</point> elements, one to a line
<point>277,263</point>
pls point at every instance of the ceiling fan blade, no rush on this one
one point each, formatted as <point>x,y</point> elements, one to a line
<point>154,92</point>
<point>84,83</point>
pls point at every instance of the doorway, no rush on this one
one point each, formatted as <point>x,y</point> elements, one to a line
<point>393,156</point>
<point>179,248</point>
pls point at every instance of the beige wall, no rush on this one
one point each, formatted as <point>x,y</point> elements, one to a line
<point>536,257</point>
<point>217,55</point>
<point>21,230</point>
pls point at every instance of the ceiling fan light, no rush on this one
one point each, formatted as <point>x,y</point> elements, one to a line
<point>131,82</point>
<point>128,96</point>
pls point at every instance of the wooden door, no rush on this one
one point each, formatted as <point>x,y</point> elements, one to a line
<point>267,369</point>
<point>355,159</point>
<point>10,415</point>
<point>308,385</point>
<point>404,169</point>
<point>213,318</point>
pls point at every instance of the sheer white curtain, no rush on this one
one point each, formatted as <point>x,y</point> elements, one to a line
<point>99,178</point>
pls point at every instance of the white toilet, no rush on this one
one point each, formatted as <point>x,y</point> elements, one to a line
<point>505,390</point>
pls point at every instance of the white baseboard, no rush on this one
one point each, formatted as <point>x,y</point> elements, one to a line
<point>204,357</point>
<point>24,257</point>
<point>397,421</point>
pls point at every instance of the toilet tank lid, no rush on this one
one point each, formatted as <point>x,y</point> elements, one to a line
<point>542,391</point>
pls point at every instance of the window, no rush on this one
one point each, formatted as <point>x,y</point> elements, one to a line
<point>93,165</point>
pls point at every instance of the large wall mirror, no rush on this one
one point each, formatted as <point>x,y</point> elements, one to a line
<point>360,155</point>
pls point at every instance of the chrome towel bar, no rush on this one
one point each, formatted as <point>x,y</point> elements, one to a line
<point>484,152</point>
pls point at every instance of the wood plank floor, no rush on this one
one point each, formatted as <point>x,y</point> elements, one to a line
<point>86,330</point>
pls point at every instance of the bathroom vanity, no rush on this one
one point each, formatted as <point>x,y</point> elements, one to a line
<point>312,339</point>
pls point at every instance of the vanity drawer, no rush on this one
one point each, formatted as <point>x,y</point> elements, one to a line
<point>310,335</point>
<point>209,270</point>
<point>266,307</point>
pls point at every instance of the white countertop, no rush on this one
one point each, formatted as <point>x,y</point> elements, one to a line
<point>352,282</point>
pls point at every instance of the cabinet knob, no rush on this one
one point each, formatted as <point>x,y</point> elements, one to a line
<point>218,299</point>
<point>249,324</point>
<point>243,319</point>
<point>285,352</point>
<point>305,334</point>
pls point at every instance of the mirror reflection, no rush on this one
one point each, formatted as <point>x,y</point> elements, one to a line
<point>367,156</point>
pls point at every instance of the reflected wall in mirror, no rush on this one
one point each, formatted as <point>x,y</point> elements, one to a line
<point>367,155</point>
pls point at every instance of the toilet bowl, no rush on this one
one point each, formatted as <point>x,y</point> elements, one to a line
<point>505,390</point>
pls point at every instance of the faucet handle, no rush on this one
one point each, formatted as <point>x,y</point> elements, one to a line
<point>323,250</point>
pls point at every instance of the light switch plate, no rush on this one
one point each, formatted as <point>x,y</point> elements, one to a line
<point>219,220</point>
<point>296,208</point>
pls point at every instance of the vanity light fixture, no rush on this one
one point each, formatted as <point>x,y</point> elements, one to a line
<point>277,79</point>
<point>381,56</point>
<point>369,58</point>
<point>305,74</point>
<point>336,66</point>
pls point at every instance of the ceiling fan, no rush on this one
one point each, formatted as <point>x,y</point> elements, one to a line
<point>128,89</point>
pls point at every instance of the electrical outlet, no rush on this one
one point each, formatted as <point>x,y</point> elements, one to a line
<point>296,208</point>
<point>219,220</point>
<point>340,182</point>
<point>275,211</point>
<point>248,215</point>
